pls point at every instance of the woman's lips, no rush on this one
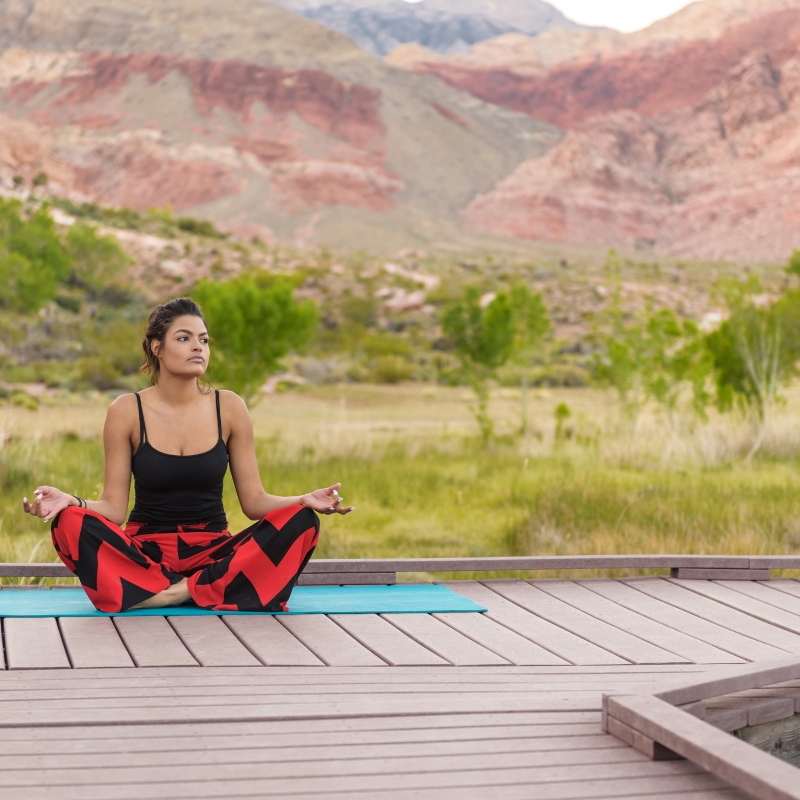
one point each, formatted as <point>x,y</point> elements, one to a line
<point>196,359</point>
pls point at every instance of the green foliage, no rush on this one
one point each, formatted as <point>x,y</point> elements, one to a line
<point>650,356</point>
<point>361,311</point>
<point>40,179</point>
<point>199,227</point>
<point>385,344</point>
<point>391,369</point>
<point>532,323</point>
<point>33,260</point>
<point>483,339</point>
<point>96,260</point>
<point>254,321</point>
<point>756,349</point>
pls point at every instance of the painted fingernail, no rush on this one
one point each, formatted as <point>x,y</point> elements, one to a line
<point>25,499</point>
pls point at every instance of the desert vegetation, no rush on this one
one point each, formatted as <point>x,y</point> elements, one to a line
<point>471,404</point>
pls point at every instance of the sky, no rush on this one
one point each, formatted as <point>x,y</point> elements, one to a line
<point>624,15</point>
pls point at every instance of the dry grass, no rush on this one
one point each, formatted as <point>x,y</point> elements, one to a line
<point>410,461</point>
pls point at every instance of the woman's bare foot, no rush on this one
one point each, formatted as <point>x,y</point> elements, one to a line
<point>175,595</point>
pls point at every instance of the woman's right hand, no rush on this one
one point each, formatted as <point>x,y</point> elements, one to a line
<point>49,501</point>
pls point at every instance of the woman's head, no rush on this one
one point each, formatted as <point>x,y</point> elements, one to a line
<point>175,340</point>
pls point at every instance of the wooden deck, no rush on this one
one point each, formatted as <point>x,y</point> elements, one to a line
<point>505,704</point>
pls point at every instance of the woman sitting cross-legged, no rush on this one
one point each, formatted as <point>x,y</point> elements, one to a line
<point>175,545</point>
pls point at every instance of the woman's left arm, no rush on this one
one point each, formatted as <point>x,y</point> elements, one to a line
<point>255,502</point>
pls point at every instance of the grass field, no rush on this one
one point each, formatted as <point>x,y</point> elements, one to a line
<point>409,459</point>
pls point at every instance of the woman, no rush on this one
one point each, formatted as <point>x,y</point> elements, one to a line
<point>175,545</point>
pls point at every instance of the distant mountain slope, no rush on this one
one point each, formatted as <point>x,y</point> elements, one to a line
<point>684,137</point>
<point>247,114</point>
<point>443,26</point>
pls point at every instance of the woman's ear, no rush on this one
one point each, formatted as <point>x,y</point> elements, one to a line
<point>154,347</point>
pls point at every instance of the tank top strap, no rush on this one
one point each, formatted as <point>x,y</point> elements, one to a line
<point>142,431</point>
<point>219,416</point>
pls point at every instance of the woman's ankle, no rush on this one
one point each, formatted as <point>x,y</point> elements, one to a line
<point>174,595</point>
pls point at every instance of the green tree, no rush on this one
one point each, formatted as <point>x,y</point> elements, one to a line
<point>96,260</point>
<point>650,356</point>
<point>33,260</point>
<point>756,350</point>
<point>483,339</point>
<point>254,321</point>
<point>531,323</point>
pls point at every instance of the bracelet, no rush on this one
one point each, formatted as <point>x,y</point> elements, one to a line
<point>81,501</point>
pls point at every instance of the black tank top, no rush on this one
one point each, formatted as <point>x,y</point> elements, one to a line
<point>173,490</point>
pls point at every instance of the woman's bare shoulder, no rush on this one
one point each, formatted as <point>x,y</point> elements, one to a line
<point>122,411</point>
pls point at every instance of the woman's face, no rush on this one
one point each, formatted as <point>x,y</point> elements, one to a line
<point>184,350</point>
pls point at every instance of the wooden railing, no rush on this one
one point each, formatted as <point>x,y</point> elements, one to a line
<point>384,570</point>
<point>675,721</point>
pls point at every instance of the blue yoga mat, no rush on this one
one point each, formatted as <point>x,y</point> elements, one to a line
<point>420,599</point>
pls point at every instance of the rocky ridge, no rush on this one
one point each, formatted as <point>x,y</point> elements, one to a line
<point>443,26</point>
<point>265,122</point>
<point>717,180</point>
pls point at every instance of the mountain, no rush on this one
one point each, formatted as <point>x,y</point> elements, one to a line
<point>263,121</point>
<point>443,26</point>
<point>683,138</point>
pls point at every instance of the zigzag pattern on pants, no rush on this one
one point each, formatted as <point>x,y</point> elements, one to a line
<point>253,570</point>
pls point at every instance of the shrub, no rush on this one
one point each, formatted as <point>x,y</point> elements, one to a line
<point>199,227</point>
<point>391,369</point>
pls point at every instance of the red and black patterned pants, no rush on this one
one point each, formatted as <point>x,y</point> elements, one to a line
<point>254,570</point>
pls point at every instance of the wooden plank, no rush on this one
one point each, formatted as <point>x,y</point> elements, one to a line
<point>93,642</point>
<point>270,680</point>
<point>631,789</point>
<point>282,746</point>
<point>674,641</point>
<point>347,578</point>
<point>786,585</point>
<point>152,642</point>
<point>724,639</point>
<point>733,679</point>
<point>691,574</point>
<point>541,723</point>
<point>34,643</point>
<point>97,754</point>
<point>582,624</point>
<point>550,637</point>
<point>743,602</point>
<point>377,565</point>
<point>759,709</point>
<point>500,563</point>
<point>606,780</point>
<point>766,593</point>
<point>544,766</point>
<point>723,755</point>
<point>725,616</point>
<point>500,640</point>
<point>270,642</point>
<point>211,642</point>
<point>638,741</point>
<point>224,708</point>
<point>387,641</point>
<point>443,640</point>
<point>329,642</point>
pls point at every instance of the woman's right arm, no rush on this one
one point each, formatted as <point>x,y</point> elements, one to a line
<point>113,504</point>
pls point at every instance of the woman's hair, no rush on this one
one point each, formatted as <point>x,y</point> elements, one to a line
<point>161,317</point>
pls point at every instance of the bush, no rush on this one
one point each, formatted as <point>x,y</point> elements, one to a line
<point>391,369</point>
<point>72,304</point>
<point>199,227</point>
<point>24,400</point>
<point>554,375</point>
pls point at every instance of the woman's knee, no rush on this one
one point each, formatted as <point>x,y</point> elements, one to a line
<point>307,517</point>
<point>71,515</point>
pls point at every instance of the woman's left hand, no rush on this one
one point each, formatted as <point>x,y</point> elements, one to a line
<point>326,501</point>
